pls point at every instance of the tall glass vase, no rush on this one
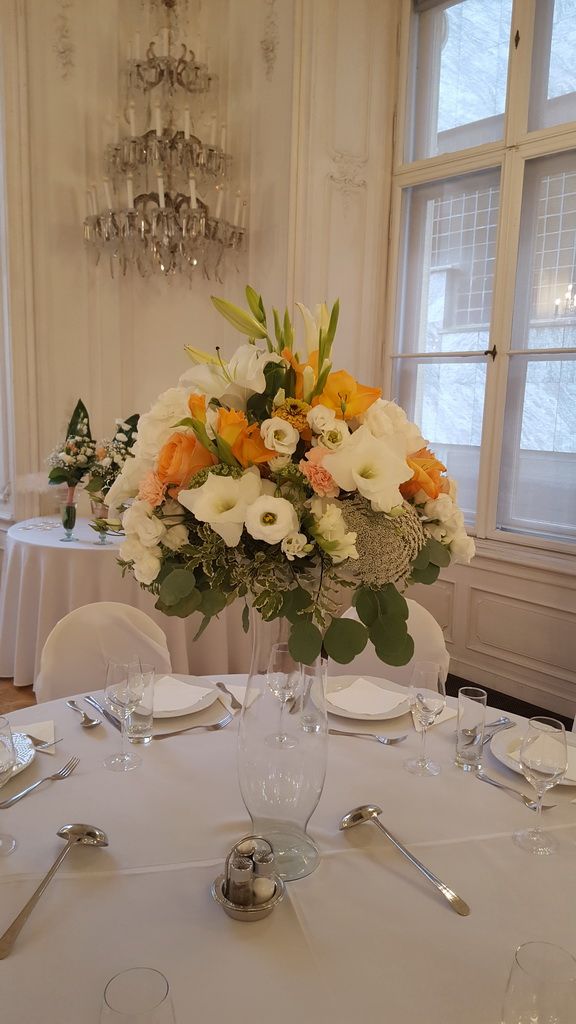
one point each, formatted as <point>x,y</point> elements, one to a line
<point>282,747</point>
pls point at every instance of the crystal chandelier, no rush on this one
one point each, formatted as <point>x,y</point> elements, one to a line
<point>166,205</point>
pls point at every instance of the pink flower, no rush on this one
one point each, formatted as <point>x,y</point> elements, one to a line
<point>152,489</point>
<point>320,480</point>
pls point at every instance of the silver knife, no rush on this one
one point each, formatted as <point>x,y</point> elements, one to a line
<point>109,717</point>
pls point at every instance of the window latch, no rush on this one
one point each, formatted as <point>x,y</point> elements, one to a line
<point>491,352</point>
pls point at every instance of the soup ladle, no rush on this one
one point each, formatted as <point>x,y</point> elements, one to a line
<point>371,812</point>
<point>75,835</point>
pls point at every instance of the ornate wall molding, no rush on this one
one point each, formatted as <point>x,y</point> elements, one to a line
<point>63,43</point>
<point>270,40</point>
<point>348,171</point>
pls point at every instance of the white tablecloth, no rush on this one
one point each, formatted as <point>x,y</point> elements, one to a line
<point>43,579</point>
<point>364,938</point>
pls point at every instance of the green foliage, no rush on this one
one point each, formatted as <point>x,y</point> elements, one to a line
<point>256,305</point>
<point>177,586</point>
<point>239,318</point>
<point>305,642</point>
<point>366,604</point>
<point>345,639</point>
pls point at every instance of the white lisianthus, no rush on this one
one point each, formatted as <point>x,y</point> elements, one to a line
<point>313,323</point>
<point>296,545</point>
<point>222,502</point>
<point>140,522</point>
<point>386,419</point>
<point>321,418</point>
<point>132,549</point>
<point>271,519</point>
<point>462,548</point>
<point>447,518</point>
<point>330,531</point>
<point>175,537</point>
<point>147,567</point>
<point>371,466</point>
<point>336,435</point>
<point>279,462</point>
<point>279,436</point>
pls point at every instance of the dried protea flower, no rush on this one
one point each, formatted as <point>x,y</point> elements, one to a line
<point>386,545</point>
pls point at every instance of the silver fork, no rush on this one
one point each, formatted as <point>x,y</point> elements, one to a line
<point>63,773</point>
<point>234,702</point>
<point>42,744</point>
<point>531,804</point>
<point>209,728</point>
<point>388,741</point>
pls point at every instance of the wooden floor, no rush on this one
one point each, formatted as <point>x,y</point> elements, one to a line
<point>14,697</point>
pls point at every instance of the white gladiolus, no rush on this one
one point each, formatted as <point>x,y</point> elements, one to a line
<point>386,419</point>
<point>222,502</point>
<point>271,519</point>
<point>336,435</point>
<point>279,436</point>
<point>321,418</point>
<point>296,545</point>
<point>371,466</point>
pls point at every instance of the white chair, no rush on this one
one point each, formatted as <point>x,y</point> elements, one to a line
<point>75,654</point>
<point>429,645</point>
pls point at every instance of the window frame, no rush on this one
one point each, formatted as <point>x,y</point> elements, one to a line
<point>509,155</point>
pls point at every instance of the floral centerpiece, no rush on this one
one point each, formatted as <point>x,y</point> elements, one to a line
<point>110,458</point>
<point>273,479</point>
<point>72,460</point>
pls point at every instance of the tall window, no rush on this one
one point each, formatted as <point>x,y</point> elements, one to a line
<point>485,230</point>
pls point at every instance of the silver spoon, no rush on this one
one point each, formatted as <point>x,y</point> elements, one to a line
<point>86,722</point>
<point>370,812</point>
<point>82,835</point>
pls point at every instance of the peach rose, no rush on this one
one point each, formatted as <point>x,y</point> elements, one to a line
<point>321,481</point>
<point>180,458</point>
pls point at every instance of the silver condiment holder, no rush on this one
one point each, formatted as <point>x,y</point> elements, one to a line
<point>221,886</point>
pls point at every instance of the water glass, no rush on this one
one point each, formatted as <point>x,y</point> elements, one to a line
<point>122,694</point>
<point>543,760</point>
<point>541,987</point>
<point>470,733</point>
<point>427,697</point>
<point>68,517</point>
<point>140,995</point>
<point>7,762</point>
<point>140,721</point>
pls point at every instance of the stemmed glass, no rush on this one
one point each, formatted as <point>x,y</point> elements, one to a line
<point>541,987</point>
<point>140,995</point>
<point>543,760</point>
<point>427,700</point>
<point>123,692</point>
<point>7,761</point>
<point>284,679</point>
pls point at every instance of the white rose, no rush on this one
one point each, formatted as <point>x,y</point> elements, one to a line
<point>139,520</point>
<point>336,435</point>
<point>386,419</point>
<point>175,537</point>
<point>279,436</point>
<point>296,545</point>
<point>321,418</point>
<point>279,462</point>
<point>372,466</point>
<point>147,567</point>
<point>271,519</point>
<point>222,502</point>
<point>462,548</point>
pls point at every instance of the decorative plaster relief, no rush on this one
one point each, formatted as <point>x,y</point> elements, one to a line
<point>270,40</point>
<point>347,174</point>
<point>63,44</point>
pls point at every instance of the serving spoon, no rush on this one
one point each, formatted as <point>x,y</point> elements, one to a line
<point>371,812</point>
<point>75,835</point>
<point>86,722</point>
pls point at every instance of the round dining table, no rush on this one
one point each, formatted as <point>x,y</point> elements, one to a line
<point>365,937</point>
<point>44,578</point>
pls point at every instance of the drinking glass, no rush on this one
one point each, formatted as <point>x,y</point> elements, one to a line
<point>543,760</point>
<point>470,732</point>
<point>7,761</point>
<point>140,721</point>
<point>542,986</point>
<point>284,678</point>
<point>140,995</point>
<point>123,691</point>
<point>68,517</point>
<point>427,697</point>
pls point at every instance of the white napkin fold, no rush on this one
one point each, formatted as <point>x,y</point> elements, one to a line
<point>444,716</point>
<point>171,694</point>
<point>43,731</point>
<point>514,753</point>
<point>365,698</point>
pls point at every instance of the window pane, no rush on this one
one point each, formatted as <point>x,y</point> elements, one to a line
<point>538,477</point>
<point>447,400</point>
<point>449,249</point>
<point>553,88</point>
<point>547,256</point>
<point>459,77</point>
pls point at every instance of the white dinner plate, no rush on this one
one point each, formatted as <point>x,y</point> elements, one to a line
<point>510,739</point>
<point>174,697</point>
<point>336,683</point>
<point>25,754</point>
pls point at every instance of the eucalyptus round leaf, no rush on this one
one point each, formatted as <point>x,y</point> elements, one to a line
<point>392,603</point>
<point>305,642</point>
<point>178,585</point>
<point>366,604</point>
<point>344,639</point>
<point>428,575</point>
<point>438,553</point>
<point>397,656</point>
<point>388,633</point>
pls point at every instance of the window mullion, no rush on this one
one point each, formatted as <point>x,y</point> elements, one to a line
<point>519,70</point>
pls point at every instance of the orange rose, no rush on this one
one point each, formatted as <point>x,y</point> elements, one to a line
<point>180,458</point>
<point>197,406</point>
<point>346,396</point>
<point>426,469</point>
<point>246,442</point>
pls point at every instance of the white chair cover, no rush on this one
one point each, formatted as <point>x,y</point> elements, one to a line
<point>75,654</point>
<point>429,645</point>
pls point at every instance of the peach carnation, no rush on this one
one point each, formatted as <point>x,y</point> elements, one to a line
<point>152,489</point>
<point>320,480</point>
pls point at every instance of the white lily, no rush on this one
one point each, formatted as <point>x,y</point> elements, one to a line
<point>313,323</point>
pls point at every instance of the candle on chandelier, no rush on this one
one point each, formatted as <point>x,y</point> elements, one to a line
<point>243,215</point>
<point>94,190</point>
<point>186,123</point>
<point>219,202</point>
<point>192,183</point>
<point>223,138</point>
<point>237,209</point>
<point>137,46</point>
<point>107,194</point>
<point>90,201</point>
<point>158,116</point>
<point>161,197</point>
<point>130,191</point>
<point>213,130</point>
<point>132,118</point>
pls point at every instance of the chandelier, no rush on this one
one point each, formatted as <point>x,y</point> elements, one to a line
<point>166,204</point>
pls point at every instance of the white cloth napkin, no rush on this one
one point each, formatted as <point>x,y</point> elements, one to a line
<point>43,731</point>
<point>365,698</point>
<point>514,753</point>
<point>172,694</point>
<point>444,716</point>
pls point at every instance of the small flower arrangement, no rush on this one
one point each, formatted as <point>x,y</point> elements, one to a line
<point>71,461</point>
<point>110,457</point>
<point>273,479</point>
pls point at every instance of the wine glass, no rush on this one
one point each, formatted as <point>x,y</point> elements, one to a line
<point>543,760</point>
<point>7,761</point>
<point>283,678</point>
<point>541,986</point>
<point>123,692</point>
<point>140,995</point>
<point>427,697</point>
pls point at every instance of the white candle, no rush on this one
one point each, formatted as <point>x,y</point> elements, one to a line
<point>132,118</point>
<point>107,194</point>
<point>116,129</point>
<point>243,215</point>
<point>95,197</point>
<point>158,116</point>
<point>213,130</point>
<point>137,46</point>
<point>219,202</point>
<point>192,183</point>
<point>129,50</point>
<point>90,200</point>
<point>237,209</point>
<point>161,198</point>
<point>165,42</point>
<point>186,122</point>
<point>223,138</point>
<point>130,191</point>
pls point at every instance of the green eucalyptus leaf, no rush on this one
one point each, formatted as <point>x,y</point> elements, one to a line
<point>179,584</point>
<point>387,633</point>
<point>305,642</point>
<point>422,560</point>
<point>438,553</point>
<point>239,318</point>
<point>399,655</point>
<point>212,603</point>
<point>294,602</point>
<point>183,608</point>
<point>427,576</point>
<point>392,603</point>
<point>345,639</point>
<point>246,618</point>
<point>366,604</point>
